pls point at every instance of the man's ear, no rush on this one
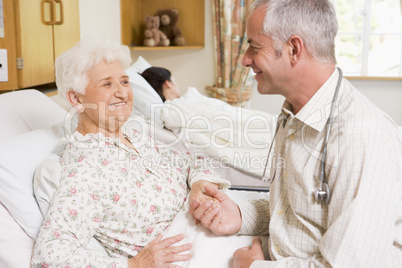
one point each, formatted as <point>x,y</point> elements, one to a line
<point>75,101</point>
<point>296,46</point>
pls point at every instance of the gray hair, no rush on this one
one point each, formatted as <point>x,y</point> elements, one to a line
<point>313,20</point>
<point>73,65</point>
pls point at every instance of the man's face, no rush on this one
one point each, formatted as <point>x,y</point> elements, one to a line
<point>262,58</point>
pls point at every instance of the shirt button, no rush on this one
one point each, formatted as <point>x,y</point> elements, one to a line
<point>278,249</point>
<point>292,137</point>
<point>280,212</point>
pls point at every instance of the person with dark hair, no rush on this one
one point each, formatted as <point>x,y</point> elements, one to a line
<point>163,82</point>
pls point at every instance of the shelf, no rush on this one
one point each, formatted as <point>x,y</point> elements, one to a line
<point>166,48</point>
<point>190,22</point>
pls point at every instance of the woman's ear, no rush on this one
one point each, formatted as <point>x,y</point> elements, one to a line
<point>170,90</point>
<point>167,84</point>
<point>74,100</point>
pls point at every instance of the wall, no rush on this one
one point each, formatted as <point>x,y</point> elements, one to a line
<point>196,67</point>
<point>100,18</point>
<point>190,67</point>
<point>387,95</point>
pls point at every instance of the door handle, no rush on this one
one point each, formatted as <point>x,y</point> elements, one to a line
<point>61,21</point>
<point>52,12</point>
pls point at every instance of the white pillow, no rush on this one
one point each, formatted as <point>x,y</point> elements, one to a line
<point>46,181</point>
<point>140,65</point>
<point>15,245</point>
<point>19,157</point>
<point>147,102</point>
<point>34,111</point>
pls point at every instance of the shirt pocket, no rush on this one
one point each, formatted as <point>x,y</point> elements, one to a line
<point>311,213</point>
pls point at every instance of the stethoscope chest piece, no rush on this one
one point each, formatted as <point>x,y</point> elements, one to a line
<point>323,193</point>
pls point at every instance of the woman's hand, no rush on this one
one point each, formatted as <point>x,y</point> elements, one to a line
<point>221,217</point>
<point>198,193</point>
<point>160,253</point>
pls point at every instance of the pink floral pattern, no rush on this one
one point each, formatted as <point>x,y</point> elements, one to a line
<point>108,192</point>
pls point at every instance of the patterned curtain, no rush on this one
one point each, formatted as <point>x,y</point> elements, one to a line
<point>233,80</point>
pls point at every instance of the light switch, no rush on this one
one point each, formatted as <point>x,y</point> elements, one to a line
<point>3,65</point>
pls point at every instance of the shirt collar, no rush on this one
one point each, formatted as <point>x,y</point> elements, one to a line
<point>316,111</point>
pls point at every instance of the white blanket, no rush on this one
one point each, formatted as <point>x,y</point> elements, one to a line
<point>210,250</point>
<point>236,136</point>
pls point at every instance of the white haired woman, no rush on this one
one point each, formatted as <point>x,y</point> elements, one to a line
<point>116,186</point>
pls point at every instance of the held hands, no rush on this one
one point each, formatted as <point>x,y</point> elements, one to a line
<point>198,191</point>
<point>160,253</point>
<point>221,217</point>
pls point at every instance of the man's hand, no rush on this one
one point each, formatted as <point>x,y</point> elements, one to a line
<point>221,216</point>
<point>244,257</point>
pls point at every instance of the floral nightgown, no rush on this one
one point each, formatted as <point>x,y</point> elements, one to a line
<point>122,197</point>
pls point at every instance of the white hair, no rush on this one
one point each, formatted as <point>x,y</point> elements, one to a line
<point>73,65</point>
<point>313,20</point>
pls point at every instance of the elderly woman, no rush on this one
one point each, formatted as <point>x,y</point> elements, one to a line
<point>116,186</point>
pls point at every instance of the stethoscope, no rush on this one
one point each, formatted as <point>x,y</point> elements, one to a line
<point>322,193</point>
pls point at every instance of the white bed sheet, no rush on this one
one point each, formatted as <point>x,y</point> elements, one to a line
<point>210,250</point>
<point>238,178</point>
<point>236,136</point>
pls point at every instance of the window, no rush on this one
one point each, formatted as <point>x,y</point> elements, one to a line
<point>369,40</point>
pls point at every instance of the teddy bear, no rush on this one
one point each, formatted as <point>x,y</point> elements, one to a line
<point>153,36</point>
<point>168,20</point>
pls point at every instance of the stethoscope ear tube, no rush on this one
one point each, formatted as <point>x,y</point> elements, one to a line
<point>323,193</point>
<point>264,177</point>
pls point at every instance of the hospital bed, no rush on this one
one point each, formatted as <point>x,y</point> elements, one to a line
<point>31,125</point>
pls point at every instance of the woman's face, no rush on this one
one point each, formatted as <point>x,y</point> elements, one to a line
<point>171,89</point>
<point>175,86</point>
<point>108,99</point>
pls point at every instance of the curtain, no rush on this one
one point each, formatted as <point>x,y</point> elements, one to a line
<point>233,80</point>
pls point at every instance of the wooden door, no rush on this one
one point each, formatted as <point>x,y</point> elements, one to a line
<point>8,42</point>
<point>66,34</point>
<point>35,42</point>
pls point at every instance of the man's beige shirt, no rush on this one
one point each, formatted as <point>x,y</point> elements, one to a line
<point>362,224</point>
